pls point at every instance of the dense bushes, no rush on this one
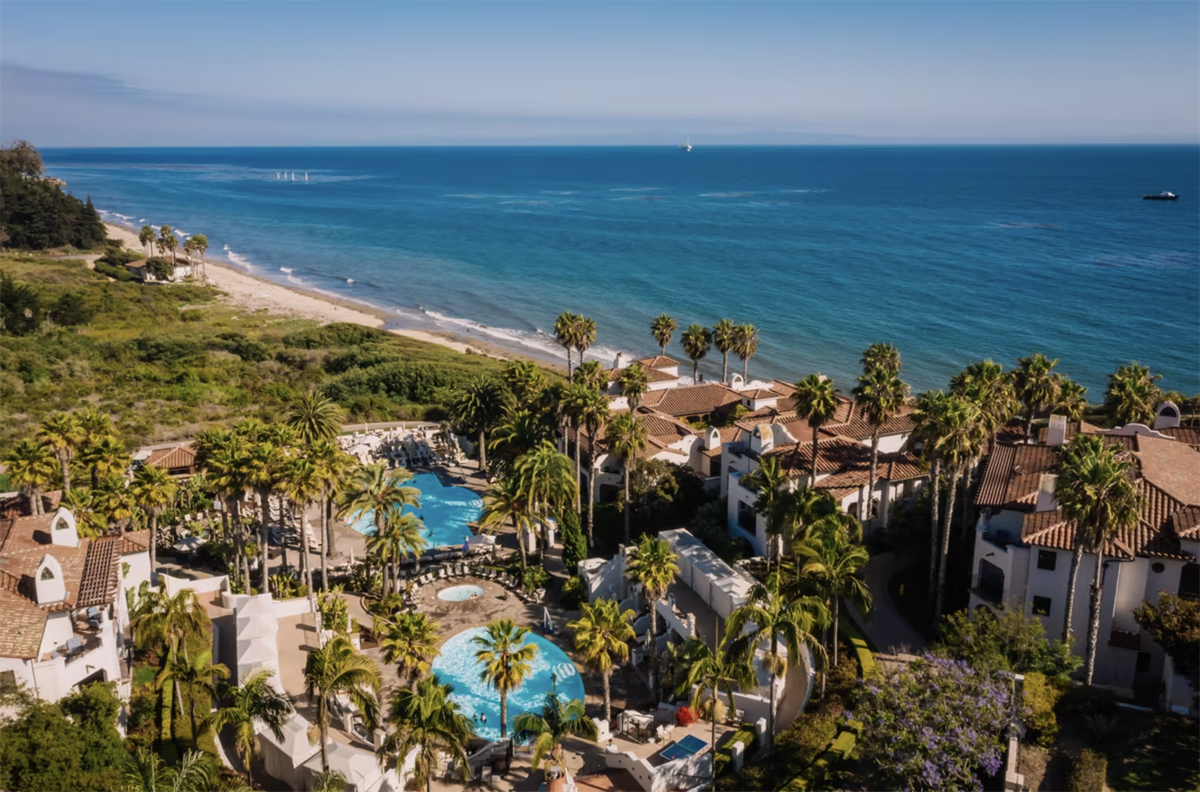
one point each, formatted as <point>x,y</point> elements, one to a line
<point>1041,697</point>
<point>574,543</point>
<point>35,213</point>
<point>1088,772</point>
<point>334,335</point>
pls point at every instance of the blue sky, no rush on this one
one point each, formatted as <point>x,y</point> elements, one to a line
<point>140,74</point>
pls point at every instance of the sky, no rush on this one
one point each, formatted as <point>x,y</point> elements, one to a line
<point>411,73</point>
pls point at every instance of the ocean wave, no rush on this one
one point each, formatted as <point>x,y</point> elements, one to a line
<point>540,342</point>
<point>634,189</point>
<point>640,198</point>
<point>238,259</point>
<point>560,192</point>
<point>803,191</point>
<point>524,203</point>
<point>288,270</point>
<point>728,195</point>
<point>469,195</point>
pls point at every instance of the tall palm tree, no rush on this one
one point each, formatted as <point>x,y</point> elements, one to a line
<point>255,701</point>
<point>883,356</point>
<point>633,383</point>
<point>378,490</point>
<point>168,241</point>
<point>833,560</point>
<point>167,621</point>
<point>337,670</point>
<point>585,336</point>
<point>697,340</point>
<point>224,457</point>
<point>153,490</point>
<point>480,407</point>
<point>106,456</point>
<point>506,500</point>
<point>404,536</point>
<point>31,467</point>
<point>63,436</point>
<point>427,719</point>
<point>654,566</point>
<point>523,431</point>
<point>411,643</point>
<point>800,509</point>
<point>880,394</point>
<point>1072,398</point>
<point>546,477</point>
<point>627,438</point>
<point>769,478</point>
<point>334,467</point>
<point>595,413</point>
<point>81,504</point>
<point>745,345</point>
<point>986,385</point>
<point>816,402</point>
<point>264,462</point>
<point>556,721</point>
<point>145,771</point>
<point>300,484</point>
<point>314,417</point>
<point>575,399</point>
<point>591,374</point>
<point>146,237</point>
<point>662,328</point>
<point>1034,384</point>
<point>198,244</point>
<point>195,676</point>
<point>525,379</point>
<point>1132,394</point>
<point>507,661</point>
<point>775,617</point>
<point>114,501</point>
<point>929,416</point>
<point>724,335</point>
<point>716,669</point>
<point>566,330</point>
<point>960,439</point>
<point>602,636</point>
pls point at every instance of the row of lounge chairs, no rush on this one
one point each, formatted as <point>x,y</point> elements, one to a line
<point>464,569</point>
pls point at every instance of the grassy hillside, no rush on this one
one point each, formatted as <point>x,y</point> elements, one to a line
<point>169,361</point>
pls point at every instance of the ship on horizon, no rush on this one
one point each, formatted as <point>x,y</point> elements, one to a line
<point>687,144</point>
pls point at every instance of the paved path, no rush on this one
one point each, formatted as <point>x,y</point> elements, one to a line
<point>886,627</point>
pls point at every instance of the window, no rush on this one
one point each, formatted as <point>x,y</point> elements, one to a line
<point>1157,567</point>
<point>1047,559</point>
<point>8,681</point>
<point>746,517</point>
<point>1041,606</point>
<point>47,574</point>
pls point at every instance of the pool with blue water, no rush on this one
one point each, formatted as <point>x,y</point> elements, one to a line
<point>445,511</point>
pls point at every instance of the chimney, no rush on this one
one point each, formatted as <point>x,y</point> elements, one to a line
<point>713,441</point>
<point>1045,497</point>
<point>617,362</point>
<point>1057,434</point>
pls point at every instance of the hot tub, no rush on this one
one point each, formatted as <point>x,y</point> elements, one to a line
<point>460,593</point>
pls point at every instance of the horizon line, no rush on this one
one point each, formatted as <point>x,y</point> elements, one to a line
<point>823,144</point>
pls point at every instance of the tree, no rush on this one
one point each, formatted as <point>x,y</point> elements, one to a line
<point>526,381</point>
<point>933,724</point>
<point>167,621</point>
<point>114,501</point>
<point>717,669</point>
<point>336,670</point>
<point>106,457</point>
<point>879,395</point>
<point>769,478</point>
<point>196,244</point>
<point>654,566</point>
<point>62,436</point>
<point>547,480</point>
<point>627,438</point>
<point>574,543</point>
<point>1072,398</point>
<point>929,416</point>
<point>745,345</point>
<point>480,407</point>
<point>264,466</point>
<point>314,418</point>
<point>566,330</point>
<point>168,241</point>
<point>31,467</point>
<point>576,399</point>
<point>427,719</point>
<point>23,158</point>
<point>145,771</point>
<point>1094,491</point>
<point>816,402</point>
<point>1132,394</point>
<point>585,336</point>
<point>1174,623</point>
<point>378,490</point>
<point>662,328</point>
<point>521,433</point>
<point>633,383</point>
<point>224,456</point>
<point>146,236</point>
<point>329,781</point>
<point>1035,386</point>
<point>595,414</point>
<point>602,633</point>
<point>986,385</point>
<point>21,307</point>
<point>884,356</point>
<point>153,490</point>
<point>724,337</point>
<point>697,340</point>
<point>411,643</point>
<point>556,721</point>
<point>253,702</point>
<point>194,676</point>
<point>592,375</point>
<point>507,661</point>
<point>401,535</point>
<point>1008,641</point>
<point>300,484</point>
<point>334,467</point>
<point>959,439</point>
<point>833,559</point>
<point>774,617</point>
<point>507,500</point>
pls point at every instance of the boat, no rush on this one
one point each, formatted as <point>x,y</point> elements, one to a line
<point>1162,196</point>
<point>687,144</point>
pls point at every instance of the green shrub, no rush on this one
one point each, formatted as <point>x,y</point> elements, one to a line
<point>574,542</point>
<point>724,755</point>
<point>534,578</point>
<point>334,335</point>
<point>1041,697</point>
<point>866,661</point>
<point>1088,772</point>
<point>573,593</point>
<point>117,273</point>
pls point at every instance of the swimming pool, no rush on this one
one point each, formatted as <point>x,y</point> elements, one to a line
<point>444,510</point>
<point>460,593</point>
<point>456,665</point>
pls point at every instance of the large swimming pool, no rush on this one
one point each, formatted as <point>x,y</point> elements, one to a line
<point>457,665</point>
<point>444,510</point>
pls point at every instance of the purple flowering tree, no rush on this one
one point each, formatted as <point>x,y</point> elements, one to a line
<point>934,724</point>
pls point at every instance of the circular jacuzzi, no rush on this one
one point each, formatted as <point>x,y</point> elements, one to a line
<point>460,593</point>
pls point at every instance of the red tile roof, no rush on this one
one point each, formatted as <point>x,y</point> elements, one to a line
<point>173,458</point>
<point>691,400</point>
<point>1185,434</point>
<point>658,361</point>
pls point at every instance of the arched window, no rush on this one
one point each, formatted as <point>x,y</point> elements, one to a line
<point>47,574</point>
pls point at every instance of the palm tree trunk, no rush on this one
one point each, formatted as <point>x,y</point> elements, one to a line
<point>941,587</point>
<point>482,454</point>
<point>626,466</point>
<point>725,367</point>
<point>152,518</point>
<point>323,720</point>
<point>264,529</point>
<point>592,498</point>
<point>607,697</point>
<point>1094,627</point>
<point>653,646</point>
<point>520,545</point>
<point>771,683</point>
<point>745,367</point>
<point>836,608</point>
<point>66,475</point>
<point>935,495</point>
<point>1028,424</point>
<point>331,534</point>
<point>824,669</point>
<point>578,471</point>
<point>695,370</point>
<point>966,504</point>
<point>503,713</point>
<point>325,532</point>
<point>1072,581</point>
<point>812,480</point>
<point>869,501</point>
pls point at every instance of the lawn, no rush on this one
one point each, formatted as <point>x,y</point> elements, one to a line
<point>1160,752</point>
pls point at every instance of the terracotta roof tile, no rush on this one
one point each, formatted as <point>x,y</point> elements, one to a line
<point>859,428</point>
<point>98,583</point>
<point>24,625</point>
<point>172,458</point>
<point>1185,434</point>
<point>1013,474</point>
<point>691,400</point>
<point>658,361</point>
<point>1186,522</point>
<point>1174,467</point>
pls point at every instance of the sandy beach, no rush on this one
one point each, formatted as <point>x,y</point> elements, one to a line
<point>253,293</point>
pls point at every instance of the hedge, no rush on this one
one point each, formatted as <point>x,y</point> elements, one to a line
<point>850,631</point>
<point>1088,772</point>
<point>745,736</point>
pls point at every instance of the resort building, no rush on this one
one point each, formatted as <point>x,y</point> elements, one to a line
<point>1024,544</point>
<point>64,605</point>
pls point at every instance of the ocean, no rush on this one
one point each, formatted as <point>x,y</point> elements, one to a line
<point>952,253</point>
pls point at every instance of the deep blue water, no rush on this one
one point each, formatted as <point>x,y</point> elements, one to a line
<point>445,511</point>
<point>952,253</point>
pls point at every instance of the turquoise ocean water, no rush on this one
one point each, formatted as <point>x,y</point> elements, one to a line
<point>951,253</point>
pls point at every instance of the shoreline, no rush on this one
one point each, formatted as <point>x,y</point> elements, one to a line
<point>255,292</point>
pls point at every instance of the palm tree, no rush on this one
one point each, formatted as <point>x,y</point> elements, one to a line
<point>337,670</point>
<point>198,244</point>
<point>547,730</point>
<point>146,236</point>
<point>507,500</point>
<point>585,336</point>
<point>576,397</point>
<point>377,490</point>
<point>834,558</point>
<point>929,416</point>
<point>879,395</point>
<point>654,566</point>
<point>799,509</point>
<point>153,490</point>
<point>883,356</point>
<point>300,484</point>
<point>697,340</point>
<point>194,676</point>
<point>816,402</point>
<point>774,617</point>
<point>168,241</point>
<point>264,462</point>
<point>566,329</point>
<point>633,383</point>
<point>960,440</point>
<point>81,504</point>
<point>329,781</point>
<point>1072,398</point>
<point>525,379</point>
<point>411,643</point>
<point>988,387</point>
<point>719,669</point>
<point>547,479</point>
<point>254,702</point>
<point>105,456</point>
<point>427,719</point>
<point>1132,394</point>
<point>167,621</point>
<point>662,328</point>
<point>768,478</point>
<point>63,436</point>
<point>595,414</point>
<point>724,335</point>
<point>521,433</point>
<point>745,345</point>
<point>31,467</point>
<point>224,457</point>
<point>114,501</point>
<point>627,438</point>
<point>1035,386</point>
<point>480,407</point>
<point>145,771</point>
<point>402,535</point>
<point>314,417</point>
<point>507,661</point>
<point>602,635</point>
<point>591,374</point>
<point>1094,491</point>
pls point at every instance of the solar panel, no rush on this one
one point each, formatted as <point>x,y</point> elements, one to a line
<point>688,746</point>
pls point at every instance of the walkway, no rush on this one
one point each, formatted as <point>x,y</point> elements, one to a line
<point>888,630</point>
